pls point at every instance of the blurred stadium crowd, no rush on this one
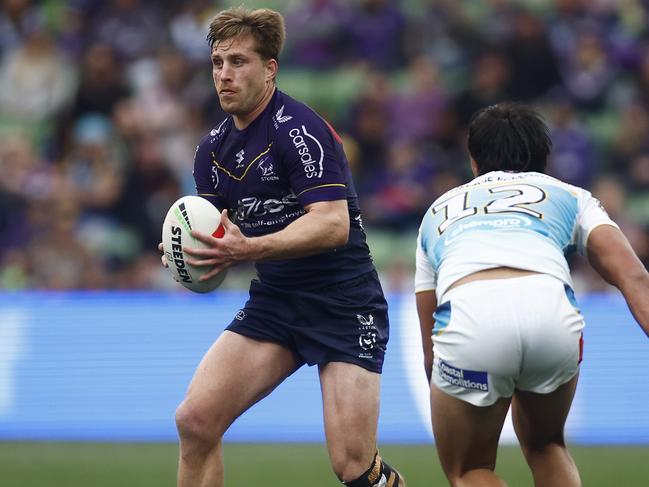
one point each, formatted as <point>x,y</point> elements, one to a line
<point>102,103</point>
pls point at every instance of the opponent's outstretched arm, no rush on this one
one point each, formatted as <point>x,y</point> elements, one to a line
<point>612,256</point>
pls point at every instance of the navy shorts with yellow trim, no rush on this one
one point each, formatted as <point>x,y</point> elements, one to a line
<point>343,322</point>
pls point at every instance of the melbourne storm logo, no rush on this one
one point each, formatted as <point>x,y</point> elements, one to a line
<point>367,337</point>
<point>267,169</point>
<point>367,340</point>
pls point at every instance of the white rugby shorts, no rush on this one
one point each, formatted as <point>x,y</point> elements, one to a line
<point>494,336</point>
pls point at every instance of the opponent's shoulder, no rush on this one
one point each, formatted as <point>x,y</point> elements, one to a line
<point>557,187</point>
<point>512,179</point>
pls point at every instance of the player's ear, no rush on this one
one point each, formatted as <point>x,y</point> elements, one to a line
<point>271,69</point>
<point>474,168</point>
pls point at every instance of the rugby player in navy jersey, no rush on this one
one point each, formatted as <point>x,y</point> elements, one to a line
<point>279,173</point>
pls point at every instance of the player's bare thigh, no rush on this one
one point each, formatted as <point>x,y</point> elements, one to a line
<point>539,419</point>
<point>466,435</point>
<point>235,373</point>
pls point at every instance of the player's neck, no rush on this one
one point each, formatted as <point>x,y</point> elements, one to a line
<point>242,121</point>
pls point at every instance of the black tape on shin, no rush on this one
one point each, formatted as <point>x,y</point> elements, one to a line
<point>380,474</point>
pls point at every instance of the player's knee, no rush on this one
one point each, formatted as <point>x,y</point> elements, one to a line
<point>378,474</point>
<point>542,443</point>
<point>196,425</point>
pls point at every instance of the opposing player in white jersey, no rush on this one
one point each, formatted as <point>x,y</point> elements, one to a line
<point>498,317</point>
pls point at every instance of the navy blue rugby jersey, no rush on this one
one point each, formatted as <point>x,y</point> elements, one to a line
<point>265,175</point>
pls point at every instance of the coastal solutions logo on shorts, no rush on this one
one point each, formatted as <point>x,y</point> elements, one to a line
<point>469,379</point>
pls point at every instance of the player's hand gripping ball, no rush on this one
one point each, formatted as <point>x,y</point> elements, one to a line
<point>187,214</point>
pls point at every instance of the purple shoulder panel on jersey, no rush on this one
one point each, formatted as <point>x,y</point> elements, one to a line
<point>311,155</point>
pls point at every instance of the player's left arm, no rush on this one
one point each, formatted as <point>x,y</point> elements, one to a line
<point>612,256</point>
<point>323,227</point>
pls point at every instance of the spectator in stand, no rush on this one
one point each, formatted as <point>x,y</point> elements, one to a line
<point>17,17</point>
<point>131,27</point>
<point>187,30</point>
<point>318,39</point>
<point>574,159</point>
<point>150,188</point>
<point>589,72</point>
<point>101,84</point>
<point>417,112</point>
<point>534,66</point>
<point>398,195</point>
<point>369,125</point>
<point>376,33</point>
<point>37,80</point>
<point>489,82</point>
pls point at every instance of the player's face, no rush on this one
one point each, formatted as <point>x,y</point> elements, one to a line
<point>241,77</point>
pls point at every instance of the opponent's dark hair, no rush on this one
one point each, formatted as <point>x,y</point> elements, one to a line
<point>509,137</point>
<point>264,25</point>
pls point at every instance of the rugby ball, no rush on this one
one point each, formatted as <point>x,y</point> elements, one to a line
<point>187,214</point>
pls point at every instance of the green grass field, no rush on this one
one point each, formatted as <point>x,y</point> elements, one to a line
<point>269,465</point>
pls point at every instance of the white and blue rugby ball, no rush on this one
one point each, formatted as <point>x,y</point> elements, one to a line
<point>187,214</point>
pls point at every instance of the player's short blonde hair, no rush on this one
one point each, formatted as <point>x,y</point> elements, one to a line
<point>265,25</point>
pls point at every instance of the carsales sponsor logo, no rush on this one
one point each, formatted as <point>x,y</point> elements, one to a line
<point>310,151</point>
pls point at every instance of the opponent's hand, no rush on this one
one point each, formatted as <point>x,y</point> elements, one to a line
<point>163,258</point>
<point>222,252</point>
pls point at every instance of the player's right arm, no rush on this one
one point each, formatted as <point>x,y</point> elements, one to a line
<point>426,301</point>
<point>426,304</point>
<point>612,256</point>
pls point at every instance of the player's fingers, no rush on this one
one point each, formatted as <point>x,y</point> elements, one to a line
<point>207,239</point>
<point>161,247</point>
<point>212,273</point>
<point>163,259</point>
<point>203,262</point>
<point>225,220</point>
<point>197,252</point>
